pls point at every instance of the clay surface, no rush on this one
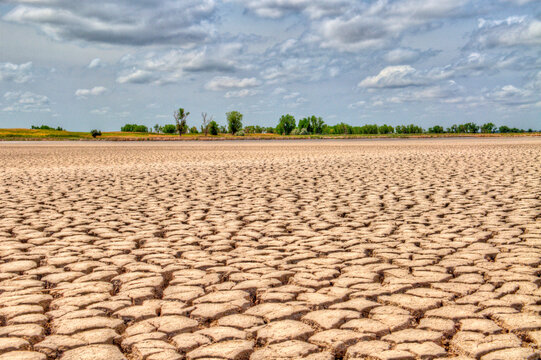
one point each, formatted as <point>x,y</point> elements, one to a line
<point>385,249</point>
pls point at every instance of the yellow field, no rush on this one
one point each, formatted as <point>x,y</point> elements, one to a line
<point>38,134</point>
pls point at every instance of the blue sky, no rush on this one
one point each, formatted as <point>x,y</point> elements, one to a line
<point>103,63</point>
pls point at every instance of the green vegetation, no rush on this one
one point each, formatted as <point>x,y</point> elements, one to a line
<point>46,127</point>
<point>95,133</point>
<point>234,121</point>
<point>134,128</point>
<point>181,122</point>
<point>286,125</point>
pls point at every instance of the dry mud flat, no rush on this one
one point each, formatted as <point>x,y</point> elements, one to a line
<point>390,250</point>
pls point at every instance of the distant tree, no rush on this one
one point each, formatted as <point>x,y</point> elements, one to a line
<point>205,123</point>
<point>180,120</point>
<point>305,123</point>
<point>259,129</point>
<point>471,128</point>
<point>488,128</point>
<point>385,129</point>
<point>134,128</point>
<point>504,129</point>
<point>286,124</point>
<point>435,129</point>
<point>269,130</point>
<point>316,124</point>
<point>95,133</point>
<point>157,128</point>
<point>234,121</point>
<point>223,129</point>
<point>193,130</point>
<point>249,129</point>
<point>169,129</point>
<point>214,129</point>
<point>60,129</point>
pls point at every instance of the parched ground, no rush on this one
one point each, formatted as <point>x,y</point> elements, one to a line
<point>390,250</point>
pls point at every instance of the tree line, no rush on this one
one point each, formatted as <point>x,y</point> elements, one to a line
<point>310,125</point>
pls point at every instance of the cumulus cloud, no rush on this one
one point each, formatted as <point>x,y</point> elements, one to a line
<point>511,95</point>
<point>228,82</point>
<point>508,32</point>
<point>16,73</point>
<point>163,67</point>
<point>95,63</point>
<point>403,76</point>
<point>95,91</point>
<point>124,22</point>
<point>241,93</point>
<point>378,24</point>
<point>403,55</point>
<point>26,102</point>
<point>314,9</point>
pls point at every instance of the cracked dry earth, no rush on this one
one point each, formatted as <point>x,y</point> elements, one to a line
<point>389,250</point>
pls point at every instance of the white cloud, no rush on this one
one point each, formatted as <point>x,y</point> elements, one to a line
<point>125,22</point>
<point>227,82</point>
<point>16,73</point>
<point>136,76</point>
<point>26,102</point>
<point>95,63</point>
<point>101,111</point>
<point>314,9</point>
<point>509,32</point>
<point>164,67</point>
<point>241,93</point>
<point>400,76</point>
<point>95,91</point>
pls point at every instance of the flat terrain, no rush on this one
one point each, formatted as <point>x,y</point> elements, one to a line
<point>383,249</point>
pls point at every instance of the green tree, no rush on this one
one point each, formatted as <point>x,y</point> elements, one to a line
<point>234,121</point>
<point>286,125</point>
<point>181,121</point>
<point>317,124</point>
<point>306,124</point>
<point>193,130</point>
<point>385,129</point>
<point>270,130</point>
<point>95,133</point>
<point>436,129</point>
<point>157,128</point>
<point>488,128</point>
<point>169,129</point>
<point>214,129</point>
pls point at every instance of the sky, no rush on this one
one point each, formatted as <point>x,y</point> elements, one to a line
<point>101,64</point>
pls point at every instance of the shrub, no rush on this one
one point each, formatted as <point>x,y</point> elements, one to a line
<point>95,133</point>
<point>134,128</point>
<point>213,128</point>
<point>239,133</point>
<point>295,131</point>
<point>234,121</point>
<point>304,132</point>
<point>286,125</point>
<point>169,129</point>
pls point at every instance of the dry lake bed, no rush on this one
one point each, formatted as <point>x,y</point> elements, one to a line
<point>386,249</point>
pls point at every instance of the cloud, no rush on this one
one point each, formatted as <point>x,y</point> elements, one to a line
<point>136,76</point>
<point>124,22</point>
<point>95,63</point>
<point>403,76</point>
<point>26,102</point>
<point>16,73</point>
<point>95,91</point>
<point>101,111</point>
<point>314,9</point>
<point>509,32</point>
<point>407,55</point>
<point>164,67</point>
<point>379,24</point>
<point>227,82</point>
<point>241,93</point>
<point>510,95</point>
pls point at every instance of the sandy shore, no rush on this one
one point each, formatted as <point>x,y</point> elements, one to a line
<point>346,249</point>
